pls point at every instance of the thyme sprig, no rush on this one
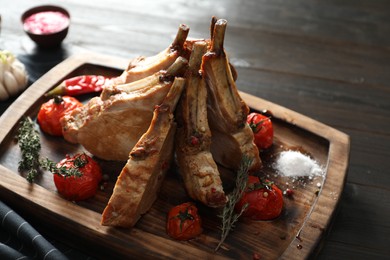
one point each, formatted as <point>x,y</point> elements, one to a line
<point>52,167</point>
<point>229,218</point>
<point>30,147</point>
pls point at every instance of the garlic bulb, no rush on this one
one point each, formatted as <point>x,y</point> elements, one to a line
<point>13,75</point>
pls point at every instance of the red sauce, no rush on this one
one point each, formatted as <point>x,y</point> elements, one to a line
<point>46,22</point>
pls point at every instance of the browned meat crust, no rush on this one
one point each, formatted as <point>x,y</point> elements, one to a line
<point>140,179</point>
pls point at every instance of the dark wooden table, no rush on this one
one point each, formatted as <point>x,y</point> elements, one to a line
<point>328,60</point>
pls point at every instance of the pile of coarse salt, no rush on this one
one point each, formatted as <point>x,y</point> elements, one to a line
<point>295,164</point>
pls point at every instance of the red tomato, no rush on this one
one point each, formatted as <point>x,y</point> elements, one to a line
<point>53,110</point>
<point>264,199</point>
<point>184,222</point>
<point>262,129</point>
<point>79,188</point>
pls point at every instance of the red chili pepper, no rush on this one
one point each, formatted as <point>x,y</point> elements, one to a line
<point>80,85</point>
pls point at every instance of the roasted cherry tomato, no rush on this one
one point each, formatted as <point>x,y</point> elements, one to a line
<point>184,222</point>
<point>262,129</point>
<point>53,110</point>
<point>76,188</point>
<point>264,199</point>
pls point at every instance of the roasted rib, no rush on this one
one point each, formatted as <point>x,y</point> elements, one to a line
<point>231,135</point>
<point>142,67</point>
<point>193,137</point>
<point>140,179</point>
<point>233,70</point>
<point>109,127</point>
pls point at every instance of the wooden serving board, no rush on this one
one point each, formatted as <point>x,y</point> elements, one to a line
<point>296,234</point>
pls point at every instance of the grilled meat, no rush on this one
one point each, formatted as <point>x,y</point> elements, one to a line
<point>196,164</point>
<point>109,127</point>
<point>140,179</point>
<point>231,135</point>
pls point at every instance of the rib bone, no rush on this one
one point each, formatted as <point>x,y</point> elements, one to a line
<point>142,67</point>
<point>231,135</point>
<point>196,164</point>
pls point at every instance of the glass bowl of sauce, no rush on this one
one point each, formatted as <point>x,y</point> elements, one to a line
<point>46,25</point>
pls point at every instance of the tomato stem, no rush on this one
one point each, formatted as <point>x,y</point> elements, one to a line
<point>183,216</point>
<point>57,99</point>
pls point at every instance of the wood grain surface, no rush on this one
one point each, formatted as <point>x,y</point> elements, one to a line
<point>305,218</point>
<point>328,60</point>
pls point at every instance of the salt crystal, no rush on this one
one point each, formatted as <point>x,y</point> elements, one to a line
<point>296,164</point>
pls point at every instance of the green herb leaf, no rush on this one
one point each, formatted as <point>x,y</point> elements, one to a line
<point>30,147</point>
<point>52,167</point>
<point>229,218</point>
